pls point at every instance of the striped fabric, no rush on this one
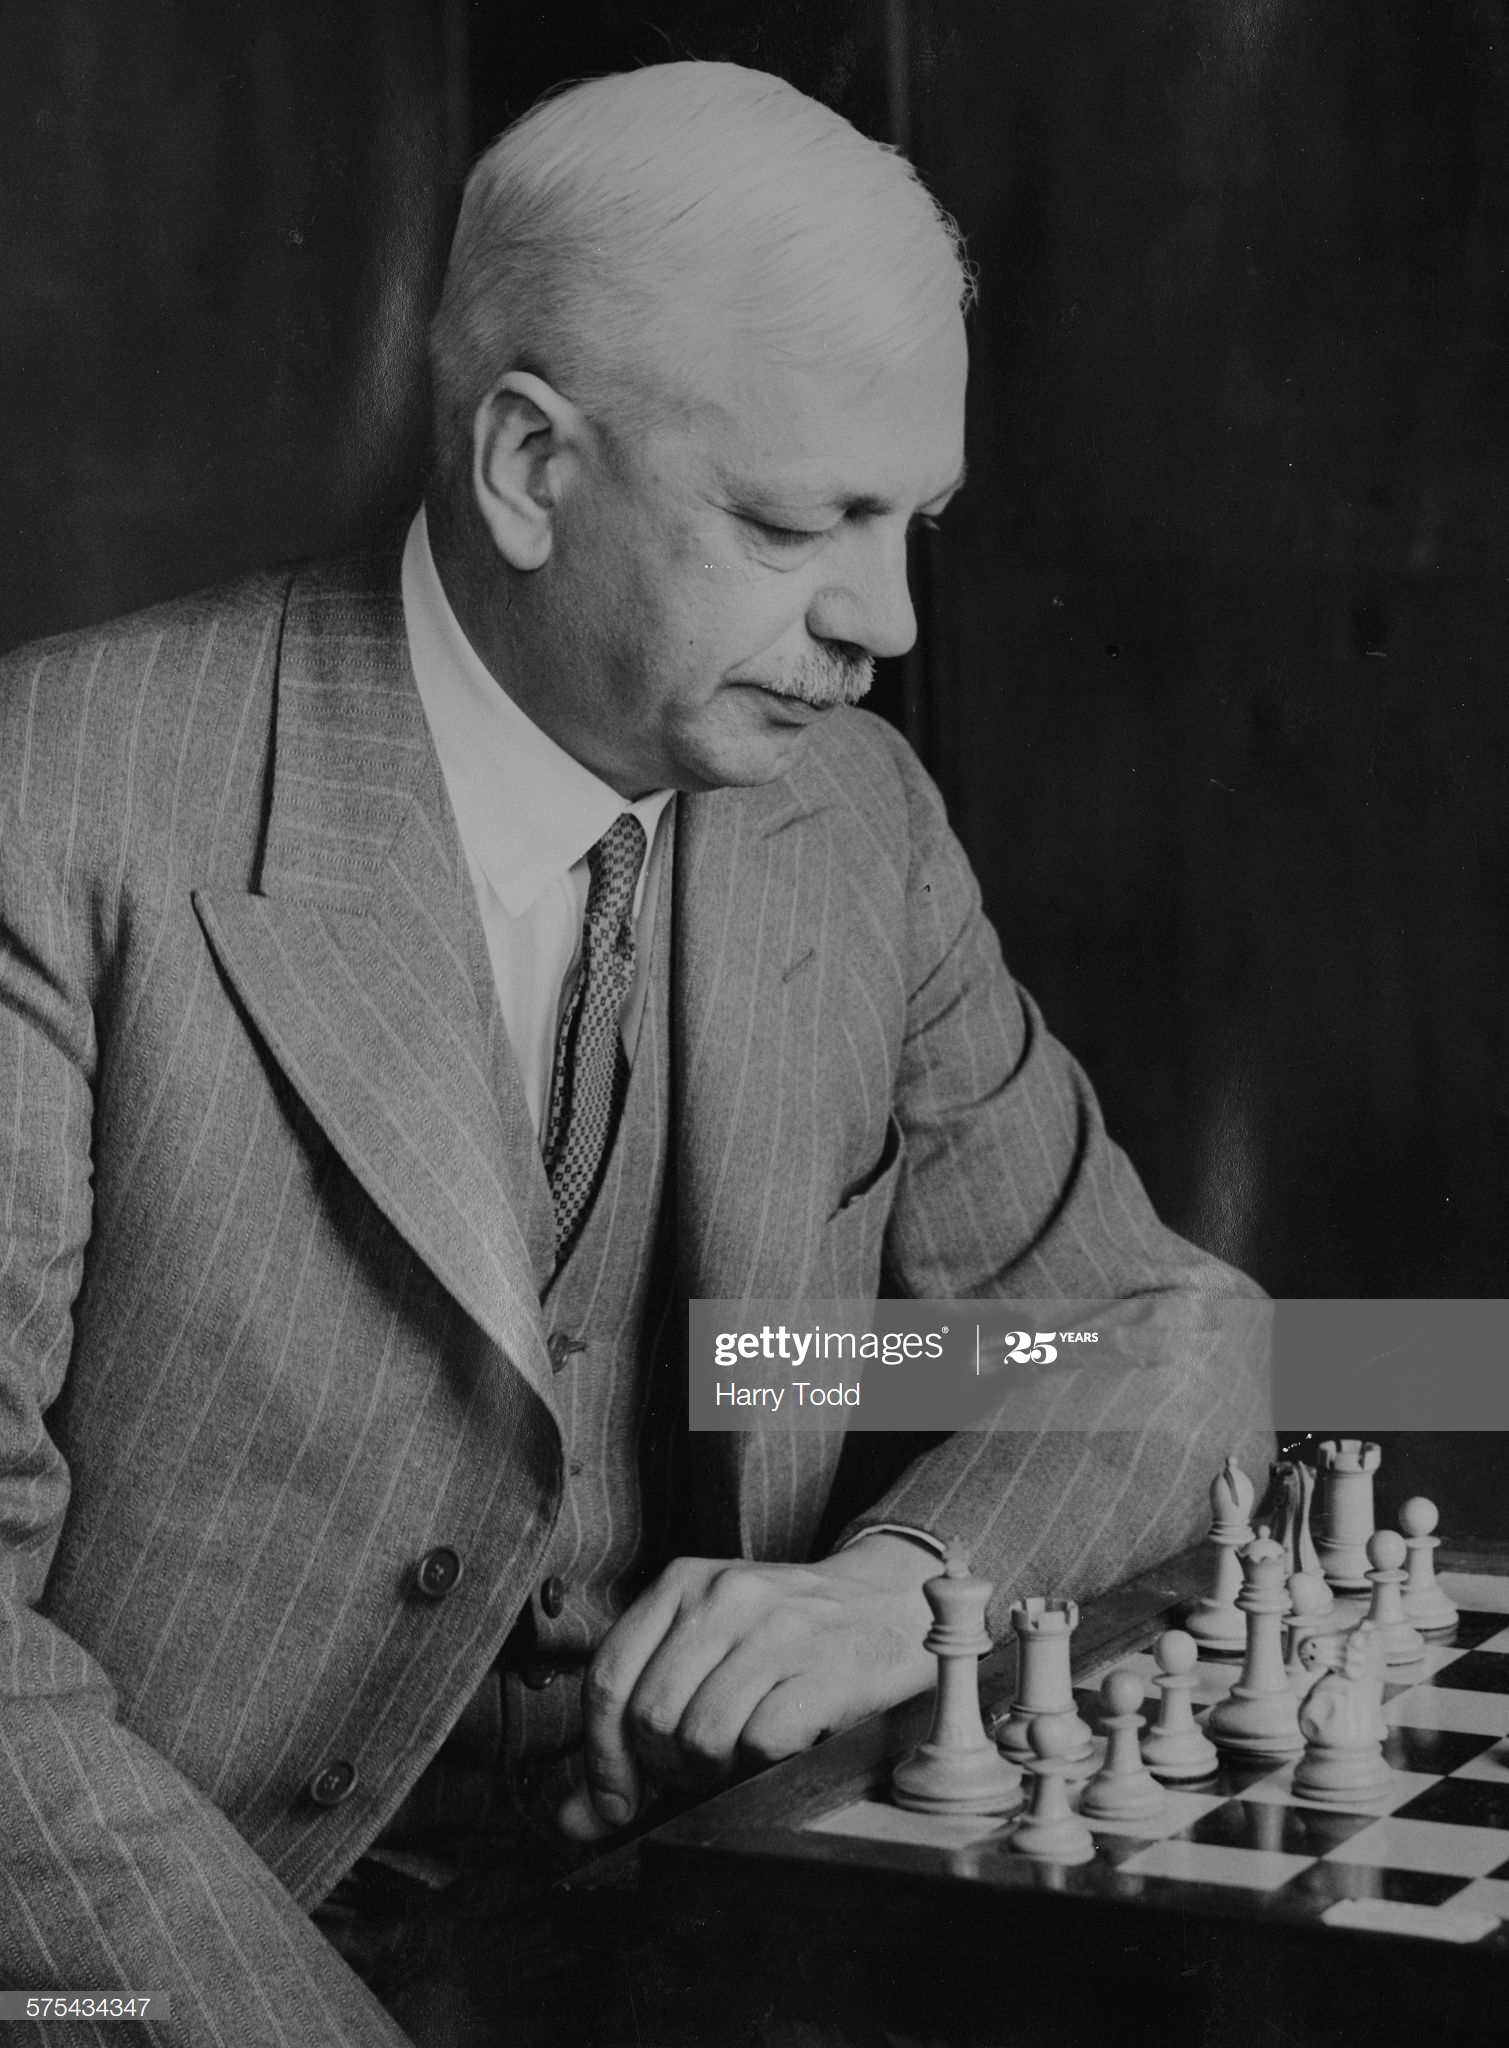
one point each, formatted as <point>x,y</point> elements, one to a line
<point>273,1237</point>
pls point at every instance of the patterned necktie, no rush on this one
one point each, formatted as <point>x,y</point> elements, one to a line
<point>591,1068</point>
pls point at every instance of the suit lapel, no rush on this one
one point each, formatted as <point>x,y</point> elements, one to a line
<point>358,963</point>
<point>759,899</point>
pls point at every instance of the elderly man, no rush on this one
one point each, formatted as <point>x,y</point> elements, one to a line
<point>418,978</point>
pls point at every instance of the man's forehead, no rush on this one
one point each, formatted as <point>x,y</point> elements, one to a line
<point>860,440</point>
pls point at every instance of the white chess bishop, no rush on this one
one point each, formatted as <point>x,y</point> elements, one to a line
<point>1215,1621</point>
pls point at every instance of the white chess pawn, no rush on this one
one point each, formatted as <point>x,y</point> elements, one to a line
<point>1121,1789</point>
<point>1214,1621</point>
<point>1175,1750</point>
<point>958,1769</point>
<point>1426,1602</point>
<point>1051,1828</point>
<point>1309,1599</point>
<point>1259,1717</point>
<point>1346,1465</point>
<point>1402,1641</point>
<point>1044,1683</point>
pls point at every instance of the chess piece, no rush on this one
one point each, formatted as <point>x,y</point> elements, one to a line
<point>1345,1522</point>
<point>1121,1789</point>
<point>1426,1602</point>
<point>958,1769</point>
<point>1050,1828</point>
<point>1286,1508</point>
<point>1043,1682</point>
<point>1175,1750</point>
<point>1214,1622</point>
<point>1309,1600</point>
<point>1402,1641</point>
<point>1259,1716</point>
<point>1342,1722</point>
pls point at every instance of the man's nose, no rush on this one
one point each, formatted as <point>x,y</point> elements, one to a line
<point>870,606</point>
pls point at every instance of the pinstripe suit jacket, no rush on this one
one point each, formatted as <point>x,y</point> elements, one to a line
<point>269,1261</point>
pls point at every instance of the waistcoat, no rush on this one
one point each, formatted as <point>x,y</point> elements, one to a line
<point>515,1751</point>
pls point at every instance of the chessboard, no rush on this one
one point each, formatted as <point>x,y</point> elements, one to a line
<point>1241,1914</point>
<point>1428,1860</point>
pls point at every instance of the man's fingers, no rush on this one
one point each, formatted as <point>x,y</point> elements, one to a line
<point>613,1773</point>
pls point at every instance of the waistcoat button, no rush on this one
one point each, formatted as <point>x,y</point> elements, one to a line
<point>539,1676</point>
<point>561,1347</point>
<point>553,1596</point>
<point>438,1572</point>
<point>334,1783</point>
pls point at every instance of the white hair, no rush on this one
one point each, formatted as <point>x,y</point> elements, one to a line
<point>625,221</point>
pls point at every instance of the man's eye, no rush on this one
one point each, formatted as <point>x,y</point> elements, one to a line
<point>786,536</point>
<point>924,522</point>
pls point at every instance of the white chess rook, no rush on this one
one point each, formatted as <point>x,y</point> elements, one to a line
<point>1345,1521</point>
<point>1260,1715</point>
<point>1050,1828</point>
<point>1214,1621</point>
<point>1402,1641</point>
<point>1426,1602</point>
<point>1044,1685</point>
<point>1175,1750</point>
<point>958,1769</point>
<point>1121,1789</point>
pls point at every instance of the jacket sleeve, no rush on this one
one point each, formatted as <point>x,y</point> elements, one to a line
<point>1011,1187</point>
<point>115,1873</point>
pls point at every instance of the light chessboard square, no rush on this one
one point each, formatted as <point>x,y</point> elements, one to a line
<point>1278,1790</point>
<point>872,1822</point>
<point>1433,1845</point>
<point>1477,1589</point>
<point>1485,1895</point>
<point>1259,1870</point>
<point>1492,1766</point>
<point>1499,1643</point>
<point>1463,1713</point>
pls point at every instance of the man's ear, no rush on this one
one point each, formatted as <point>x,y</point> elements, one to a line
<point>526,449</point>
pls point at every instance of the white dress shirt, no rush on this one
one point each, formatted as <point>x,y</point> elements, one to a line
<point>527,814</point>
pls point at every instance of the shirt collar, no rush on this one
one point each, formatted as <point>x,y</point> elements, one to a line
<point>526,811</point>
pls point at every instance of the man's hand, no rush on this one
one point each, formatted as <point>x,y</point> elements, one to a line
<point>721,1665</point>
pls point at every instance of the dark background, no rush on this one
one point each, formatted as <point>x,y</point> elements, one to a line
<point>1213,664</point>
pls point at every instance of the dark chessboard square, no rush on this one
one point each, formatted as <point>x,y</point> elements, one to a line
<point>1234,1778</point>
<point>1433,1751</point>
<point>1468,1802</point>
<point>1267,1824</point>
<point>1472,1628</point>
<point>1478,1671</point>
<point>1324,1883</point>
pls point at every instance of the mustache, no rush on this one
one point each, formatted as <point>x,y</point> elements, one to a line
<point>826,677</point>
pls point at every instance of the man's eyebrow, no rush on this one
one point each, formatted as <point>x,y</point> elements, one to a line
<point>861,506</point>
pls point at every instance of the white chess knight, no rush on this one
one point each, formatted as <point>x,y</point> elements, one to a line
<point>1215,1622</point>
<point>1341,1719</point>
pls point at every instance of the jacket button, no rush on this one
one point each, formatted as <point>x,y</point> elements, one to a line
<point>333,1784</point>
<point>438,1572</point>
<point>553,1597</point>
<point>561,1347</point>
